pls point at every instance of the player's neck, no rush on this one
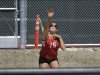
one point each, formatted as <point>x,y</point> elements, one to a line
<point>51,33</point>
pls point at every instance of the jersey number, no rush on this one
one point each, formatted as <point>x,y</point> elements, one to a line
<point>53,44</point>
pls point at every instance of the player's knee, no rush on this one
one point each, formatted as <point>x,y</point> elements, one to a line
<point>54,64</point>
<point>44,65</point>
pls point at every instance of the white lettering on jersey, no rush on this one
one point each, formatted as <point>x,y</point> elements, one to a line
<point>53,44</point>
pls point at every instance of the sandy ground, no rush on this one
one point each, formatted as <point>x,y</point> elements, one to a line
<point>28,58</point>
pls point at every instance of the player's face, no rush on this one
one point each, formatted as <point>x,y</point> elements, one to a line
<point>53,28</point>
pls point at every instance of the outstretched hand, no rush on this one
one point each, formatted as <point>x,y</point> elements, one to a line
<point>50,12</point>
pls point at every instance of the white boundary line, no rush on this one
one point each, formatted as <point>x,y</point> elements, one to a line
<point>70,45</point>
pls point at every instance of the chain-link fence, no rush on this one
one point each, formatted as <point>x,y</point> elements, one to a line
<point>78,20</point>
<point>7,20</point>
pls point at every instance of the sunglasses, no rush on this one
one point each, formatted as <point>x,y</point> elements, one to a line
<point>53,26</point>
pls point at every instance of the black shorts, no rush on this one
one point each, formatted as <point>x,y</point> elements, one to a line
<point>43,60</point>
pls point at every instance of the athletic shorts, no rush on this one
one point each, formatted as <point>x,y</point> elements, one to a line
<point>43,60</point>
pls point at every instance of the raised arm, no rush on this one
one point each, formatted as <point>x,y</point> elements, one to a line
<point>46,29</point>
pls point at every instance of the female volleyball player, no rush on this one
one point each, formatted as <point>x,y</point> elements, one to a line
<point>50,44</point>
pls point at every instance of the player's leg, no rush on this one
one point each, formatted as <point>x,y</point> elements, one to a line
<point>54,64</point>
<point>43,63</point>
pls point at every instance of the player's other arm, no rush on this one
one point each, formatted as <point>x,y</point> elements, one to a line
<point>62,44</point>
<point>46,29</point>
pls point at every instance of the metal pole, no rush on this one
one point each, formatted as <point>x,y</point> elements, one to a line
<point>16,17</point>
<point>23,10</point>
<point>59,71</point>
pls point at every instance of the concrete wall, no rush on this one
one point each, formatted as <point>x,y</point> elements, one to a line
<point>29,58</point>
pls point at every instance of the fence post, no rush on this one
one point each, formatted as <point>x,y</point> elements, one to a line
<point>23,29</point>
<point>16,17</point>
<point>37,32</point>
